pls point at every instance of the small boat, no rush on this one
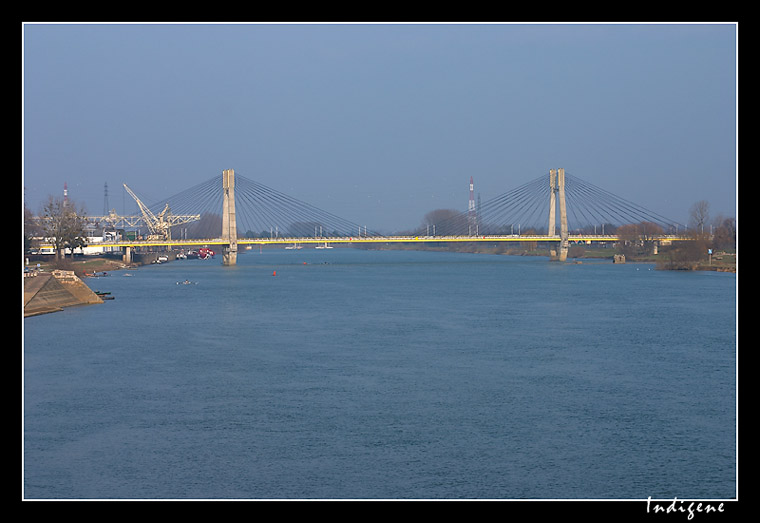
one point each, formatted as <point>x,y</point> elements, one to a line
<point>186,282</point>
<point>104,295</point>
<point>204,253</point>
<point>294,246</point>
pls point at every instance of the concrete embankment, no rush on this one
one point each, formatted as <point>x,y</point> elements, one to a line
<point>51,292</point>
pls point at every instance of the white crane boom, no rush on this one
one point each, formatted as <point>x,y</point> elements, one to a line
<point>157,226</point>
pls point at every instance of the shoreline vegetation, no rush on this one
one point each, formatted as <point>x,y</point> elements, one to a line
<point>666,259</point>
<point>720,261</point>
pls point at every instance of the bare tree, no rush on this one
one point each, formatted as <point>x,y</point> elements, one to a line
<point>32,228</point>
<point>63,225</point>
<point>699,214</point>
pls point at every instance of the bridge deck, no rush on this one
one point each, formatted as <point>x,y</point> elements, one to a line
<point>373,239</point>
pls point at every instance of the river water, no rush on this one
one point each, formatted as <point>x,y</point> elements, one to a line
<point>352,374</point>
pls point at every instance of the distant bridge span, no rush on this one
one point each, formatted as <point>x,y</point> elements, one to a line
<point>285,241</point>
<point>581,238</point>
<point>277,219</point>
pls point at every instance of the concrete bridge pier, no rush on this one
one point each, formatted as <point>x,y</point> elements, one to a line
<point>563,232</point>
<point>127,258</point>
<point>229,224</point>
<point>557,195</point>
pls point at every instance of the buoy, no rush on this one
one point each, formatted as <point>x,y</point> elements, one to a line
<point>274,273</point>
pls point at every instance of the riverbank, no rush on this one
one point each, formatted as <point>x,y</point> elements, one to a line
<point>85,266</point>
<point>81,265</point>
<point>721,262</point>
<point>46,292</point>
<point>52,287</point>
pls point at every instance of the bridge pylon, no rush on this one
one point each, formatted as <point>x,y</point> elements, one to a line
<point>229,223</point>
<point>557,195</point>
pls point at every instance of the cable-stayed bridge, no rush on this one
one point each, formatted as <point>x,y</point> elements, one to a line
<point>237,211</point>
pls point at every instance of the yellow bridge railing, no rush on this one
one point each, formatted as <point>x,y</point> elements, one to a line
<point>583,238</point>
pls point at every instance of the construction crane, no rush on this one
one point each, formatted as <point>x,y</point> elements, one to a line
<point>159,226</point>
<point>116,221</point>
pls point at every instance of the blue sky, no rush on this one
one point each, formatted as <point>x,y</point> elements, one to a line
<point>381,123</point>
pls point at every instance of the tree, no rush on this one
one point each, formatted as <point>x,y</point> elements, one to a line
<point>688,254</point>
<point>32,228</point>
<point>724,233</point>
<point>529,245</point>
<point>63,225</point>
<point>685,256</point>
<point>699,215</point>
